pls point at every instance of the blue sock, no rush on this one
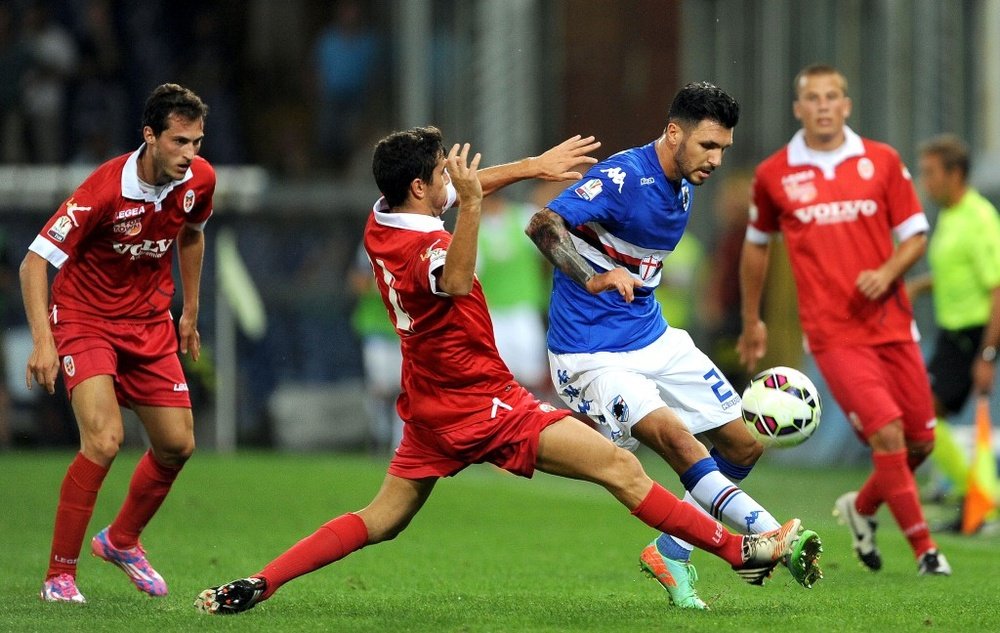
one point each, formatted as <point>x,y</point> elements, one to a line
<point>734,472</point>
<point>672,549</point>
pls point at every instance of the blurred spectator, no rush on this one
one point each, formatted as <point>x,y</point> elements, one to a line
<point>380,352</point>
<point>346,53</point>
<point>511,271</point>
<point>722,299</point>
<point>99,100</point>
<point>681,286</point>
<point>14,61</point>
<point>212,67</point>
<point>54,59</point>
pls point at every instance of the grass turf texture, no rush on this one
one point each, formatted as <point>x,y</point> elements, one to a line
<point>489,552</point>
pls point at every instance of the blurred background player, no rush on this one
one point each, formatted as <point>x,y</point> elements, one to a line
<point>840,201</point>
<point>512,274</point>
<point>964,260</point>
<point>613,357</point>
<point>460,403</point>
<point>109,327</point>
<point>380,355</point>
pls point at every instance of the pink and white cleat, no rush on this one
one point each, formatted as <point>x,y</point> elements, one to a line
<point>131,561</point>
<point>61,588</point>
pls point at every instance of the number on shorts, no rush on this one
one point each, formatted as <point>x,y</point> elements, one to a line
<point>718,385</point>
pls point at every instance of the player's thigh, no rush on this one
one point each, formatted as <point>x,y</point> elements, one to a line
<point>395,505</point>
<point>857,379</point>
<point>170,431</point>
<point>911,389</point>
<point>95,407</point>
<point>570,448</point>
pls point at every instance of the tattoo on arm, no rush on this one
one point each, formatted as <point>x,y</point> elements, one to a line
<point>548,231</point>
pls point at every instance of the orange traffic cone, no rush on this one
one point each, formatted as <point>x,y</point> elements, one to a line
<point>980,499</point>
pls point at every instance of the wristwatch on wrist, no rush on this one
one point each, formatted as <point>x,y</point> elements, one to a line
<point>989,353</point>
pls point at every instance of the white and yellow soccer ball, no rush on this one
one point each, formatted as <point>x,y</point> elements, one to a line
<point>781,407</point>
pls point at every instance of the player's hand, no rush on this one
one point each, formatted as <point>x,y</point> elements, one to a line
<point>43,365</point>
<point>873,284</point>
<point>752,344</point>
<point>190,339</point>
<point>557,163</point>
<point>615,279</point>
<point>465,175</point>
<point>983,373</point>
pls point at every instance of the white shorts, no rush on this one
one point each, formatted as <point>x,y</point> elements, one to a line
<point>617,389</point>
<point>383,362</point>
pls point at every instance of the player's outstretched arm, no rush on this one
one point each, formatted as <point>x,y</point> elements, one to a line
<point>556,163</point>
<point>548,231</point>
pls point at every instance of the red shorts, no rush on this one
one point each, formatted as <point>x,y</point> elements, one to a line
<point>505,437</point>
<point>878,384</point>
<point>140,357</point>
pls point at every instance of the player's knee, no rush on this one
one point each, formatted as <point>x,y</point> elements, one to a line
<point>625,472</point>
<point>889,438</point>
<point>101,448</point>
<point>175,454</point>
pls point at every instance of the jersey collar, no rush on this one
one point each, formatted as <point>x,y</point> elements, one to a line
<point>799,153</point>
<point>409,221</point>
<point>130,181</point>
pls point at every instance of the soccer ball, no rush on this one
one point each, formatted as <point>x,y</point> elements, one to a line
<point>781,407</point>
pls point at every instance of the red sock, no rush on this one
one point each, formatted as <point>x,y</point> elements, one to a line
<point>665,512</point>
<point>77,497</point>
<point>150,484</point>
<point>869,495</point>
<point>334,540</point>
<point>899,490</point>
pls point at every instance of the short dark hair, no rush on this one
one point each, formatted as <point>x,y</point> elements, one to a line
<point>814,70</point>
<point>701,100</point>
<point>403,156</point>
<point>954,154</point>
<point>169,99</point>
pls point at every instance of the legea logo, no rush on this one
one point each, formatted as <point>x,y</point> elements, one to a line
<point>836,212</point>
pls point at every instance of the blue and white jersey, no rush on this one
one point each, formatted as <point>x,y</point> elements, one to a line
<point>624,213</point>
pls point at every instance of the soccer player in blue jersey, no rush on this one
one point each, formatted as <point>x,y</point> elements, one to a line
<point>613,356</point>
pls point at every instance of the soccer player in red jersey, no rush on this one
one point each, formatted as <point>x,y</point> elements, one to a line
<point>460,404</point>
<point>108,325</point>
<point>853,225</point>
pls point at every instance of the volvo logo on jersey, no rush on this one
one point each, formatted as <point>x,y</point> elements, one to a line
<point>145,248</point>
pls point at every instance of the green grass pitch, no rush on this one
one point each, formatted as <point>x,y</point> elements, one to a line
<point>489,552</point>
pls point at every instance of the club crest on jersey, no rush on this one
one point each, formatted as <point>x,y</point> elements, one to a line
<point>619,409</point>
<point>685,198</point>
<point>590,189</point>
<point>60,229</point>
<point>188,200</point>
<point>649,266</point>
<point>866,168</point>
<point>69,366</point>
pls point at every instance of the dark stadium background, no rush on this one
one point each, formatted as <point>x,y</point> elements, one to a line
<point>513,77</point>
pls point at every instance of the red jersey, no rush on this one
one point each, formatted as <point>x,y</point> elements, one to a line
<point>452,372</point>
<point>839,212</point>
<point>112,241</point>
